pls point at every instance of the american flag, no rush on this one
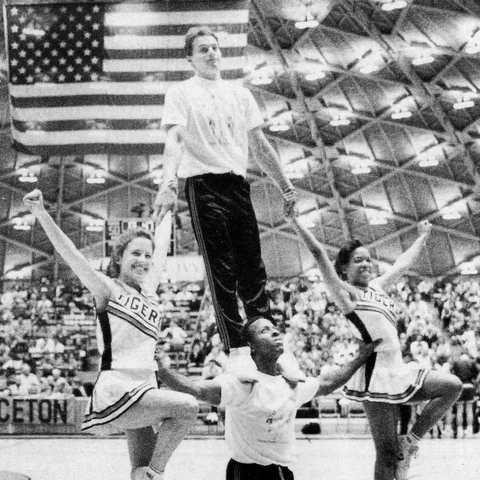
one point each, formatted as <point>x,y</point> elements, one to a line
<point>90,78</point>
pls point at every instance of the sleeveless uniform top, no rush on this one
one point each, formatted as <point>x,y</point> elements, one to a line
<point>128,329</point>
<point>127,336</point>
<point>385,377</point>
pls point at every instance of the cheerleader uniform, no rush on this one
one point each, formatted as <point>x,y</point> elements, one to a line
<point>127,333</point>
<point>384,377</point>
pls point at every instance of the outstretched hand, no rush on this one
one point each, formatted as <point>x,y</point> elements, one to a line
<point>34,201</point>
<point>424,228</point>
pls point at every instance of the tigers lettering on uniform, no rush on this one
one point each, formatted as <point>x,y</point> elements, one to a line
<point>137,305</point>
<point>374,296</point>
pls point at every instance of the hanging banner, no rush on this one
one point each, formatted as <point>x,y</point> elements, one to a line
<point>37,410</point>
<point>185,268</point>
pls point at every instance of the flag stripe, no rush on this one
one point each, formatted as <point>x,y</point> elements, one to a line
<point>86,113</point>
<point>66,125</point>
<point>79,148</point>
<point>159,64</point>
<point>97,90</point>
<point>183,19</point>
<point>181,6</point>
<point>166,53</point>
<point>86,100</point>
<point>172,30</point>
<point>92,136</point>
<point>140,42</point>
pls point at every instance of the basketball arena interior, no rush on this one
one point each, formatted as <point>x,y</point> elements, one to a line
<point>373,107</point>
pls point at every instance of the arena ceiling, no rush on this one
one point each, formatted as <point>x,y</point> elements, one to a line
<point>375,114</point>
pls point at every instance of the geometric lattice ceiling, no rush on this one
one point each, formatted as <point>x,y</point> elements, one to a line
<point>390,81</point>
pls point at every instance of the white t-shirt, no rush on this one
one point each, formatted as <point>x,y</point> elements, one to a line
<point>217,115</point>
<point>259,423</point>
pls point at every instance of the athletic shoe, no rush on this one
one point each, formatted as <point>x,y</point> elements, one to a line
<point>405,452</point>
<point>448,432</point>
<point>241,365</point>
<point>468,432</point>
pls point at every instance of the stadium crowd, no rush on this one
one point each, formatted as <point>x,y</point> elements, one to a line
<point>48,346</point>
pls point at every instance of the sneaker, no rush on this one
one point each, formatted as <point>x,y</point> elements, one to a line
<point>241,365</point>
<point>468,432</point>
<point>448,432</point>
<point>289,369</point>
<point>405,453</point>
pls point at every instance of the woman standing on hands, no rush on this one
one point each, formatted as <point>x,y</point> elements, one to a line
<point>126,396</point>
<point>385,381</point>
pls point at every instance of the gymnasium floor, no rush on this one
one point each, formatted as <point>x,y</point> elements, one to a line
<point>205,459</point>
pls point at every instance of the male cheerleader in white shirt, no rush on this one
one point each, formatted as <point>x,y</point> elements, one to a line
<point>259,424</point>
<point>211,125</point>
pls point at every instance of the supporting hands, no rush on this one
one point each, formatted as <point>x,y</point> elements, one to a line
<point>34,202</point>
<point>167,199</point>
<point>290,198</point>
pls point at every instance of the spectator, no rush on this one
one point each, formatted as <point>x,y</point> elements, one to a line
<point>196,357</point>
<point>78,390</point>
<point>175,335</point>
<point>30,383</point>
<point>465,368</point>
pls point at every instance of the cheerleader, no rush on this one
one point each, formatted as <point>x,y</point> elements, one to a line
<point>385,381</point>
<point>126,396</point>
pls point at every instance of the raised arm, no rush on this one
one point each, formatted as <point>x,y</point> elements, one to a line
<point>268,160</point>
<point>407,258</point>
<point>342,293</point>
<point>96,282</point>
<point>208,391</point>
<point>163,232</point>
<point>167,196</point>
<point>331,381</point>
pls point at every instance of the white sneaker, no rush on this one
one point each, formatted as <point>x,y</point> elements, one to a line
<point>468,432</point>
<point>448,432</point>
<point>241,365</point>
<point>289,369</point>
<point>405,453</point>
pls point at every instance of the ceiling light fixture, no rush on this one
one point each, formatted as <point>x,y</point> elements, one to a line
<point>361,169</point>
<point>468,269</point>
<point>21,224</point>
<point>27,176</point>
<point>309,22</point>
<point>369,68</point>
<point>261,80</point>
<point>379,218</point>
<point>97,177</point>
<point>423,59</point>
<point>95,226</point>
<point>401,114</point>
<point>394,5</point>
<point>339,121</point>
<point>428,162</point>
<point>311,77</point>
<point>451,214</point>
<point>279,127</point>
<point>462,104</point>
